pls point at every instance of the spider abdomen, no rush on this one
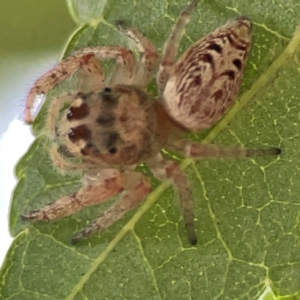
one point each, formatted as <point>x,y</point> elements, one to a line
<point>208,76</point>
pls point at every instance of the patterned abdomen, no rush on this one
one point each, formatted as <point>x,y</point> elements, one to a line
<point>208,76</point>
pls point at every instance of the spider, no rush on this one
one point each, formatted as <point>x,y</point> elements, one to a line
<point>114,126</point>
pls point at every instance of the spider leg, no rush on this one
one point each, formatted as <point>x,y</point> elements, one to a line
<point>125,64</point>
<point>146,67</point>
<point>96,191</point>
<point>182,186</point>
<point>198,150</point>
<point>85,59</point>
<point>137,187</point>
<point>163,169</point>
<point>92,77</point>
<point>170,51</point>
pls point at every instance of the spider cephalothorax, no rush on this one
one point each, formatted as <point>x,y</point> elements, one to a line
<point>117,125</point>
<point>113,126</point>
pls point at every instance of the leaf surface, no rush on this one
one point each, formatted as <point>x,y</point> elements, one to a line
<point>247,210</point>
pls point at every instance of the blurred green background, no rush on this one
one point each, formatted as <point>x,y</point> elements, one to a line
<point>33,34</point>
<point>29,26</point>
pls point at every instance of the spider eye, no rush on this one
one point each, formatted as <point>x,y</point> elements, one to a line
<point>79,110</point>
<point>71,133</point>
<point>69,115</point>
<point>83,151</point>
<point>107,89</point>
<point>113,150</point>
<point>78,133</point>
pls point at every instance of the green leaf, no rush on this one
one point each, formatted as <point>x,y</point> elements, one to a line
<point>86,11</point>
<point>247,210</point>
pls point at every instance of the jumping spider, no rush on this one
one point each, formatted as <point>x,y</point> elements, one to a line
<point>114,126</point>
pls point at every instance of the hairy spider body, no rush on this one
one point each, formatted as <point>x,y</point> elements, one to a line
<point>123,116</point>
<point>116,125</point>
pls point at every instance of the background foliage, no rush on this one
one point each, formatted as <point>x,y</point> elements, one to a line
<point>247,210</point>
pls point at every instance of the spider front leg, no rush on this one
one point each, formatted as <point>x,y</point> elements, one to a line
<point>90,66</point>
<point>137,187</point>
<point>147,66</point>
<point>170,51</point>
<point>91,76</point>
<point>86,60</point>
